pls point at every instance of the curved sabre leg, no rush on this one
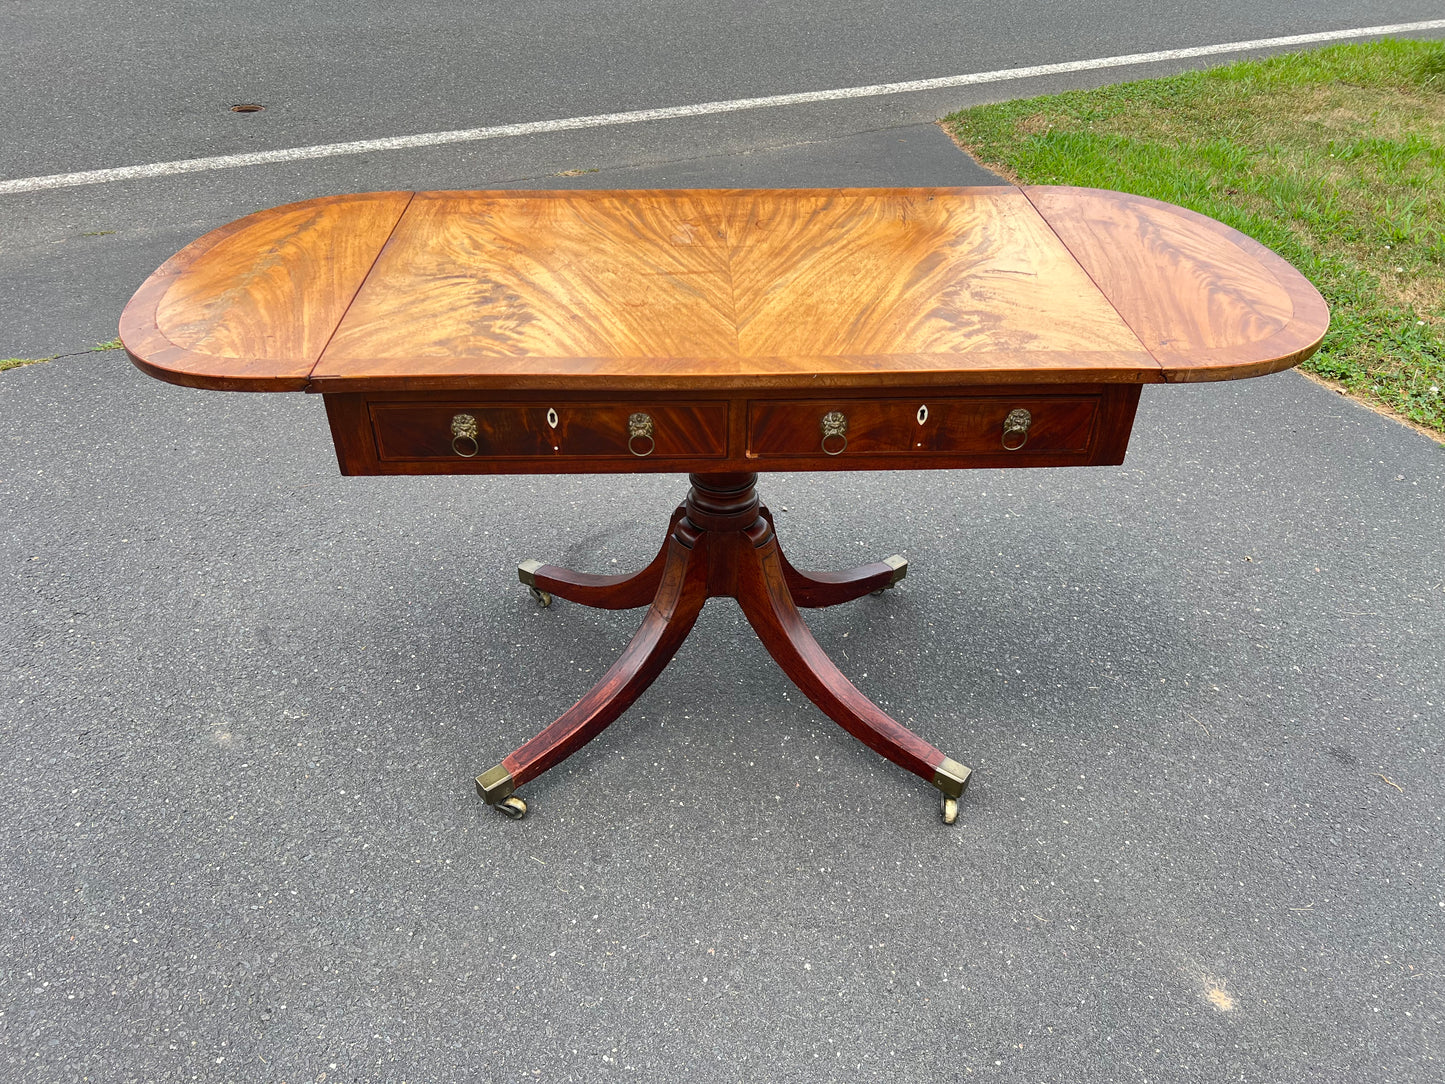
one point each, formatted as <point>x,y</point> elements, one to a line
<point>763,595</point>
<point>812,590</point>
<point>680,597</point>
<point>624,592</point>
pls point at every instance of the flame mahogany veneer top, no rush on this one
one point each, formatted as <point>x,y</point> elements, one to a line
<point>722,289</point>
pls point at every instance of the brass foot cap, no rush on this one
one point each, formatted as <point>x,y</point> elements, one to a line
<point>527,572</point>
<point>899,566</point>
<point>951,777</point>
<point>495,785</point>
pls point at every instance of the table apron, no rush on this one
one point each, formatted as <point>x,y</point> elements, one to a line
<point>552,432</point>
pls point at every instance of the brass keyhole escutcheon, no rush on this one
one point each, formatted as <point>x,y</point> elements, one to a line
<point>552,417</point>
<point>835,428</point>
<point>639,429</point>
<point>1016,426</point>
<point>923,414</point>
<point>464,435</point>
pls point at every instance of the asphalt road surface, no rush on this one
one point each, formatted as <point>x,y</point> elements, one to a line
<point>243,698</point>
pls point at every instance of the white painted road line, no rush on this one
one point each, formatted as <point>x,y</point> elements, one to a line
<point>602,120</point>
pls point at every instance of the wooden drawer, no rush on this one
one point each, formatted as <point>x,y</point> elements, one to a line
<point>1056,425</point>
<point>427,430</point>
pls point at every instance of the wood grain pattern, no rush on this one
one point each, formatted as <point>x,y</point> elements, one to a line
<point>681,592</point>
<point>423,430</point>
<point>769,607</point>
<point>615,592</point>
<point>252,305</point>
<point>1059,424</point>
<point>815,589</point>
<point>669,289</point>
<point>926,272</point>
<point>684,291</point>
<point>1074,425</point>
<point>470,277</point>
<point>722,546</point>
<point>1209,302</point>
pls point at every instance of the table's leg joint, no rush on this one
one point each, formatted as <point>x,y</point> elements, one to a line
<point>813,590</point>
<point>611,592</point>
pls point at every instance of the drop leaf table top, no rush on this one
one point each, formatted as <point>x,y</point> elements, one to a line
<point>720,289</point>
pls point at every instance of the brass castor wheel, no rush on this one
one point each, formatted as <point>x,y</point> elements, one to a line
<point>950,809</point>
<point>514,808</point>
<point>527,573</point>
<point>900,569</point>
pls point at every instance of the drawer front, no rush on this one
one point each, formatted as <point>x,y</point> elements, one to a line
<point>470,430</point>
<point>977,425</point>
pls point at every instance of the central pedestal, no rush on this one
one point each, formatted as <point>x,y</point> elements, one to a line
<point>720,543</point>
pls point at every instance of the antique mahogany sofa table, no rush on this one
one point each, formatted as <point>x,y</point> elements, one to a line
<point>722,333</point>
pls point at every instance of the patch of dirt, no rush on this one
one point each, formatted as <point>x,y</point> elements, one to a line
<point>994,167</point>
<point>1034,124</point>
<point>1218,996</point>
<point>1423,292</point>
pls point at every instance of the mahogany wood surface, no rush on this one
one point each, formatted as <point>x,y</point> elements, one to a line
<point>679,291</point>
<point>792,427</point>
<point>540,332</point>
<point>630,590</point>
<point>624,592</point>
<point>724,546</point>
<point>767,604</point>
<point>410,432</point>
<point>251,306</point>
<point>681,592</point>
<point>1208,302</point>
<point>707,288</point>
<point>815,590</point>
<point>423,430</point>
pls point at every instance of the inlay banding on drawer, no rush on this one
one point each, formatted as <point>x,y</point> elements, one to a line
<point>975,425</point>
<point>535,430</point>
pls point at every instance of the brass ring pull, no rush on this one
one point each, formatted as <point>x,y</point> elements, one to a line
<point>464,435</point>
<point>639,427</point>
<point>1017,424</point>
<point>835,428</point>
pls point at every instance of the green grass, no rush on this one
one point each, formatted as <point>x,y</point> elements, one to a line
<point>1334,158</point>
<point>15,363</point>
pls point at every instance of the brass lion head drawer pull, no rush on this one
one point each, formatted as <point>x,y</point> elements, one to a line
<point>464,435</point>
<point>1016,426</point>
<point>835,428</point>
<point>639,429</point>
